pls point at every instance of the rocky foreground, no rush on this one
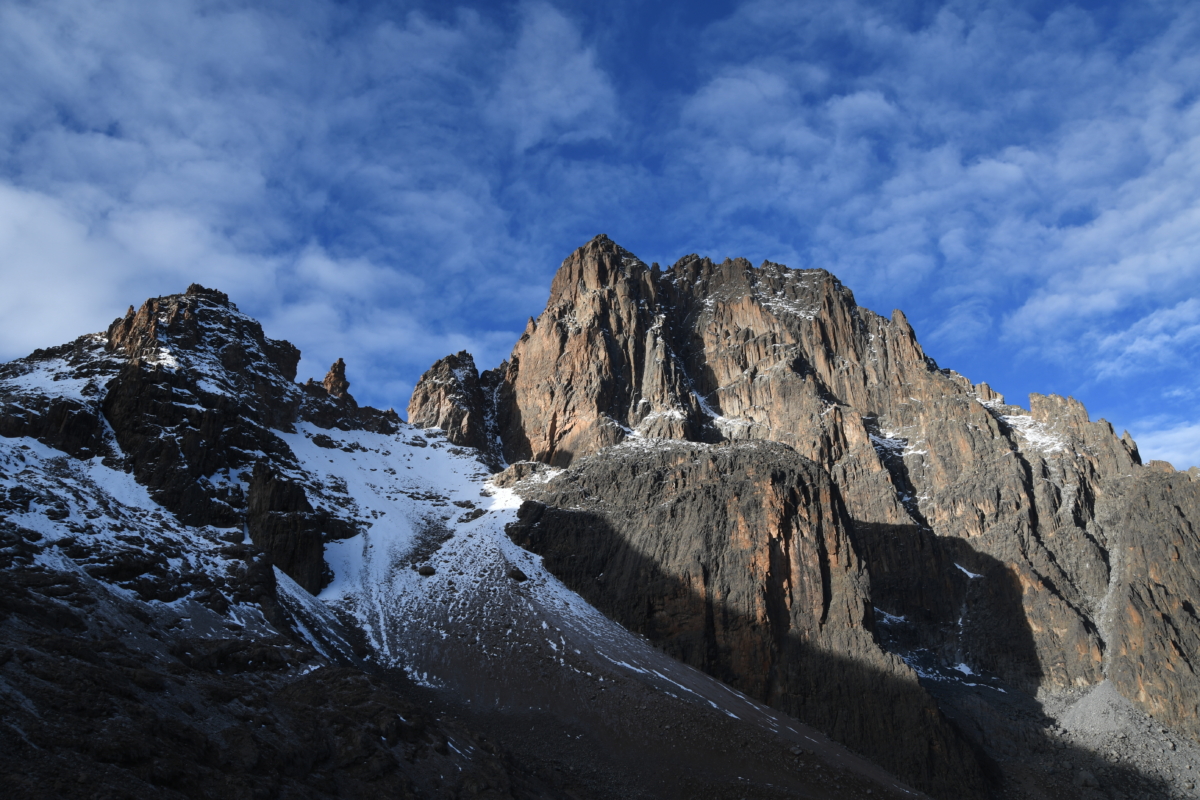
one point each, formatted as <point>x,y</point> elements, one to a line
<point>710,531</point>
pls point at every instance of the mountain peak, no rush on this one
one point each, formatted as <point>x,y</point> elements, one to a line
<point>922,458</point>
<point>599,265</point>
<point>196,290</point>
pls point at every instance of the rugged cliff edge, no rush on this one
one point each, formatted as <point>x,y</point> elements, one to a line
<point>1028,545</point>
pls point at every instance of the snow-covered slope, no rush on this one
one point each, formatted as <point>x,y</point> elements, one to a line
<point>443,594</point>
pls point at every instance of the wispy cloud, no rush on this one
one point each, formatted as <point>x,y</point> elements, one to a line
<point>963,154</point>
<point>336,174</point>
<point>551,88</point>
<point>1021,184</point>
<point>1163,338</point>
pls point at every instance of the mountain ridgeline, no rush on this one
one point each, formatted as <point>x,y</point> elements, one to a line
<point>901,511</point>
<point>710,531</point>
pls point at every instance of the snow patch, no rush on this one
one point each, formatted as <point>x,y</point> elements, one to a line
<point>1034,434</point>
<point>967,572</point>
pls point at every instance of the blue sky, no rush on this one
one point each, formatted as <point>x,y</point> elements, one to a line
<point>392,182</point>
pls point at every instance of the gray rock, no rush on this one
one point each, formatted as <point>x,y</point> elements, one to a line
<point>737,559</point>
<point>451,396</point>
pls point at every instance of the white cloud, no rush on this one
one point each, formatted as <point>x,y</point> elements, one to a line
<point>1037,173</point>
<point>58,279</point>
<point>860,111</point>
<point>327,171</point>
<point>551,89</point>
<point>1163,338</point>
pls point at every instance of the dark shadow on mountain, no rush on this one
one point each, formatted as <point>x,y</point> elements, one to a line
<point>979,739</point>
<point>107,696</point>
<point>939,594</point>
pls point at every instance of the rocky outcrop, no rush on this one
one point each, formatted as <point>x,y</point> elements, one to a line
<point>737,559</point>
<point>451,396</point>
<point>335,382</point>
<point>1150,615</point>
<point>594,365</point>
<point>187,393</point>
<point>200,389</point>
<point>329,404</point>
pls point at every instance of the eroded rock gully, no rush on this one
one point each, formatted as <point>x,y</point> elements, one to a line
<point>1028,544</point>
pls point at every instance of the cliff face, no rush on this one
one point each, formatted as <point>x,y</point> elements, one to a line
<point>989,532</point>
<point>738,560</point>
<point>1149,615</point>
<point>594,365</point>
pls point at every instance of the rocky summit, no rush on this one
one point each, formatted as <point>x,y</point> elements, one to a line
<point>710,531</point>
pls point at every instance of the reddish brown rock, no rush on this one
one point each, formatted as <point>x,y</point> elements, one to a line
<point>335,382</point>
<point>939,475</point>
<point>711,352</point>
<point>595,365</point>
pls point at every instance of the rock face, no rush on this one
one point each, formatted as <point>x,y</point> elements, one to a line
<point>990,533</point>
<point>737,559</point>
<point>198,384</point>
<point>451,396</point>
<point>1150,613</point>
<point>189,390</point>
<point>594,364</point>
<point>282,522</point>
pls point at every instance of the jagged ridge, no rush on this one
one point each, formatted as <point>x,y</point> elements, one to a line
<point>989,531</point>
